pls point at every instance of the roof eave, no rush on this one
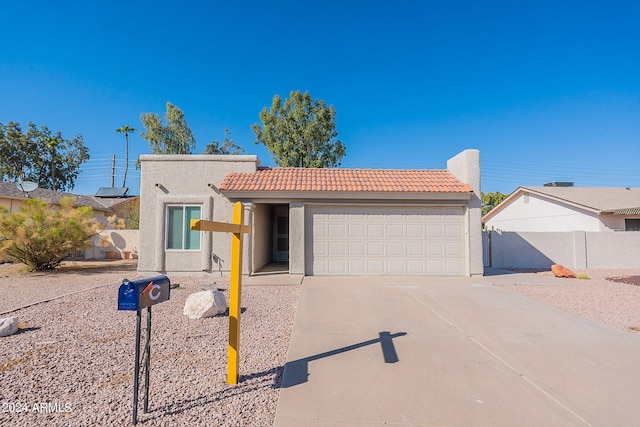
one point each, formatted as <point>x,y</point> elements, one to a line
<point>346,195</point>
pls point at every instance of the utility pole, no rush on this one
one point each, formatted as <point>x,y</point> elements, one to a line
<point>113,170</point>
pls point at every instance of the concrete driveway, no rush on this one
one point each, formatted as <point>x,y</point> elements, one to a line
<point>451,352</point>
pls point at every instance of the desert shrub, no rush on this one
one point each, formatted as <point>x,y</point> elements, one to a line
<point>42,235</point>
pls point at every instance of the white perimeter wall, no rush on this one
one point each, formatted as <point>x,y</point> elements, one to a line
<point>575,249</point>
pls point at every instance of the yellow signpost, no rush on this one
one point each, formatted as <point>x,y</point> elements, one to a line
<point>235,285</point>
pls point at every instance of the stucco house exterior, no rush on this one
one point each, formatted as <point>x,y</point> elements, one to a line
<point>567,209</point>
<point>314,221</point>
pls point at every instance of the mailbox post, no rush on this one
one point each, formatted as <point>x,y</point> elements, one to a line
<point>135,296</point>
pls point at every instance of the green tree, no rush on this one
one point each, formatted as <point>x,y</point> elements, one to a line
<point>42,235</point>
<point>173,138</point>
<point>491,200</point>
<point>228,146</point>
<point>301,132</point>
<point>126,130</point>
<point>40,155</point>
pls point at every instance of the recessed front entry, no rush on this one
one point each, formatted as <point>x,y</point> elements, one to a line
<point>281,234</point>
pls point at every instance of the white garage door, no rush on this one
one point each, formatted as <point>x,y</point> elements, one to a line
<point>354,240</point>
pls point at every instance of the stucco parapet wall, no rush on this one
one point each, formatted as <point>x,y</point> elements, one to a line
<point>200,157</point>
<point>257,196</point>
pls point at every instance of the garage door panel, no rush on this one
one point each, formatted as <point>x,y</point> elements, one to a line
<point>395,231</point>
<point>415,249</point>
<point>395,249</point>
<point>377,240</point>
<point>375,249</point>
<point>337,230</point>
<point>336,267</point>
<point>395,266</point>
<point>415,231</point>
<point>357,249</point>
<point>320,249</point>
<point>434,249</point>
<point>375,266</point>
<point>319,266</point>
<point>319,230</point>
<point>453,231</point>
<point>434,218</point>
<point>337,249</point>
<point>415,266</point>
<point>434,231</point>
<point>453,249</point>
<point>356,267</point>
<point>356,231</point>
<point>435,267</point>
<point>375,230</point>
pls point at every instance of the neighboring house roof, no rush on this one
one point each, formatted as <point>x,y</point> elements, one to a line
<point>616,201</point>
<point>111,202</point>
<point>345,180</point>
<point>10,190</point>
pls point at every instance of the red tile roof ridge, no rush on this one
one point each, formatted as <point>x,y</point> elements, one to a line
<point>345,179</point>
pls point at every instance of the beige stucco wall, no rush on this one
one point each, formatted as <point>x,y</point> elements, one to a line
<point>466,167</point>
<point>119,241</point>
<point>187,179</point>
<point>296,238</point>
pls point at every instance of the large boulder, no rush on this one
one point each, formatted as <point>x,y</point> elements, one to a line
<point>205,304</point>
<point>562,271</point>
<point>8,326</point>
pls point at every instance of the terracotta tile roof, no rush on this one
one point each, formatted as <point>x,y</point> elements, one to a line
<point>351,180</point>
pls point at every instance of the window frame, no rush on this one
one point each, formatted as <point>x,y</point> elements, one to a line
<point>185,228</point>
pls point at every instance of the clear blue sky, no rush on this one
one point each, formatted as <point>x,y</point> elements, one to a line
<point>546,90</point>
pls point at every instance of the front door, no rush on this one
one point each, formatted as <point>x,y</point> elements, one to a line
<point>281,234</point>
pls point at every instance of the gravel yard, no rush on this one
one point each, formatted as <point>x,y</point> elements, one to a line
<point>71,363</point>
<point>615,303</point>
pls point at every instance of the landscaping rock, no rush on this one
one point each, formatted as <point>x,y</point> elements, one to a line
<point>562,271</point>
<point>8,326</point>
<point>205,304</point>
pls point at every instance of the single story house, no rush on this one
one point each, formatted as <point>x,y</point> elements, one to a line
<point>12,198</point>
<point>567,209</point>
<point>314,221</point>
<point>117,241</point>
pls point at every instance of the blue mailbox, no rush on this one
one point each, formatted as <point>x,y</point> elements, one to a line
<point>143,293</point>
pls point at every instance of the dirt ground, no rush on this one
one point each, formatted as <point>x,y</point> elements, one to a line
<point>71,267</point>
<point>20,288</point>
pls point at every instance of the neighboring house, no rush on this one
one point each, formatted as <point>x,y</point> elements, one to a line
<point>567,209</point>
<point>316,221</point>
<point>12,198</point>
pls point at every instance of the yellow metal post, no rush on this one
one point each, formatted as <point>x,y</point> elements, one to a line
<point>235,288</point>
<point>237,228</point>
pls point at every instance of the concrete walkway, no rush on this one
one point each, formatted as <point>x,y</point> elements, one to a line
<point>451,352</point>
